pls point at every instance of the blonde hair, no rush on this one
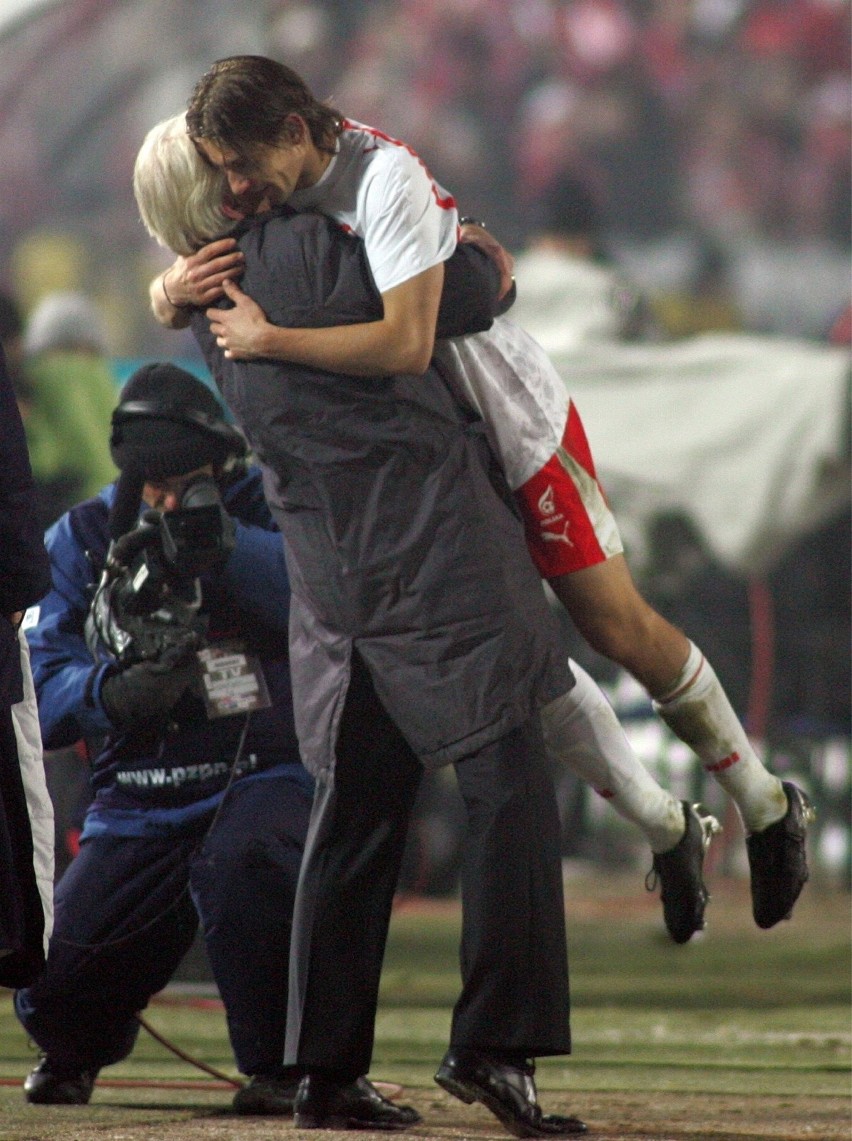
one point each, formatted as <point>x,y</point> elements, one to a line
<point>178,194</point>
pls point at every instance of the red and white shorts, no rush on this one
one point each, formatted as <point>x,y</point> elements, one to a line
<point>567,520</point>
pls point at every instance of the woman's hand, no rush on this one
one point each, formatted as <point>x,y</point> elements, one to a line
<point>195,281</point>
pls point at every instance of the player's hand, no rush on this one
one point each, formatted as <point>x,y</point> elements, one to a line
<point>198,280</point>
<point>479,236</point>
<point>240,331</point>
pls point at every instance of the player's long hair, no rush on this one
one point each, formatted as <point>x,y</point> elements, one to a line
<point>244,101</point>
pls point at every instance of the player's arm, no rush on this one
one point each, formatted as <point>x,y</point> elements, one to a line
<point>473,292</point>
<point>402,341</point>
<point>407,228</point>
<point>407,236</point>
<point>470,299</point>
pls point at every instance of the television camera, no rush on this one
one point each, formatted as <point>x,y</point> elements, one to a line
<point>147,602</point>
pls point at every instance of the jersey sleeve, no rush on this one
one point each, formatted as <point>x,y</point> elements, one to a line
<point>410,224</point>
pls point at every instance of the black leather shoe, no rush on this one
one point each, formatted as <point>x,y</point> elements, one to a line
<point>53,1084</point>
<point>508,1091</point>
<point>322,1103</point>
<point>266,1096</point>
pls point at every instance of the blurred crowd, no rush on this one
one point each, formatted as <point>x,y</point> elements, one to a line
<point>729,117</point>
<point>65,386</point>
<point>725,123</point>
<point>714,134</point>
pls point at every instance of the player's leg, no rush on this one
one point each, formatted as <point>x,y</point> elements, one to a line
<point>610,613</point>
<point>775,814</point>
<point>616,621</point>
<point>582,731</point>
<point>574,541</point>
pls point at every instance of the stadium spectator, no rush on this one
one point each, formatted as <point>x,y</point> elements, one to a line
<point>73,392</point>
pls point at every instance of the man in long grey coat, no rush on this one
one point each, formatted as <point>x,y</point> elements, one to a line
<point>419,636</point>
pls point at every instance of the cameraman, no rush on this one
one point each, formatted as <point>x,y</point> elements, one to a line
<point>196,814</point>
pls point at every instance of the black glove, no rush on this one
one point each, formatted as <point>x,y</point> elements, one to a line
<point>143,695</point>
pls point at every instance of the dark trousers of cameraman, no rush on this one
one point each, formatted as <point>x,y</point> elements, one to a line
<point>127,910</point>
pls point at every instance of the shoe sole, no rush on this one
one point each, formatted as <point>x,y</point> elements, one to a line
<point>54,1100</point>
<point>304,1121</point>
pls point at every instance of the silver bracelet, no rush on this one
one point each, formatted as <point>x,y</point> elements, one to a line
<point>173,304</point>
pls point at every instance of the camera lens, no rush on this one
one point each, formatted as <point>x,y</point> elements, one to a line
<point>201,492</point>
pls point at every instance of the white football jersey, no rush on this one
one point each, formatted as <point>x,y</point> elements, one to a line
<point>379,189</point>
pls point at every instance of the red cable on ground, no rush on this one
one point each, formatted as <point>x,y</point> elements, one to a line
<point>147,1083</point>
<point>234,1083</point>
<point>196,1002</point>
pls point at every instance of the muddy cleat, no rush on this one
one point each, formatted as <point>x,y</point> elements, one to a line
<point>778,860</point>
<point>52,1084</point>
<point>265,1096</point>
<point>680,874</point>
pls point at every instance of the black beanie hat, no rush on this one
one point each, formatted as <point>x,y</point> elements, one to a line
<point>169,423</point>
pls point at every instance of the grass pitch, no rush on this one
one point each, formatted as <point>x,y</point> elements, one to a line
<point>740,1034</point>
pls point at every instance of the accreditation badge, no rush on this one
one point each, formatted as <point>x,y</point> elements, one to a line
<point>233,680</point>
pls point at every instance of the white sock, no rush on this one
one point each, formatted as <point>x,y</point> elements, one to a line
<point>697,711</point>
<point>582,731</point>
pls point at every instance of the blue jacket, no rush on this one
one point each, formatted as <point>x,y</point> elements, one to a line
<point>172,774</point>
